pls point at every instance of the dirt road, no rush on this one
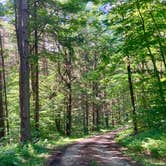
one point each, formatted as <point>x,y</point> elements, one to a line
<point>100,150</point>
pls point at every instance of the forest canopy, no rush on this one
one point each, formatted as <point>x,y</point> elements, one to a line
<point>71,68</point>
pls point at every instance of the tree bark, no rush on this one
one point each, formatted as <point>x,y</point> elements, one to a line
<point>86,113</point>
<point>85,108</point>
<point>69,109</point>
<point>106,112</point>
<point>23,48</point>
<point>132,96</point>
<point>35,72</point>
<point>4,88</point>
<point>95,106</point>
<point>69,87</point>
<point>2,112</point>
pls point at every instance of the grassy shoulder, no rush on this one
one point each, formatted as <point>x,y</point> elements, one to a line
<point>30,154</point>
<point>35,154</point>
<point>148,147</point>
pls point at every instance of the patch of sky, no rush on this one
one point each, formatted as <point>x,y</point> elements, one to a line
<point>106,8</point>
<point>3,1</point>
<point>89,6</point>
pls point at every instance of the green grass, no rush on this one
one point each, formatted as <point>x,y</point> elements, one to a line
<point>30,154</point>
<point>35,154</point>
<point>148,147</point>
<point>93,163</point>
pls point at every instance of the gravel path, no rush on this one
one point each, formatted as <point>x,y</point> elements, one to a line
<point>100,150</point>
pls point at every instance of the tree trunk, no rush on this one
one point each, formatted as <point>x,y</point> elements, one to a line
<point>2,112</point>
<point>143,94</point>
<point>23,48</point>
<point>35,73</point>
<point>119,109</point>
<point>93,116</point>
<point>106,115</point>
<point>4,87</point>
<point>132,97</point>
<point>69,109</point>
<point>96,118</point>
<point>95,105</point>
<point>69,87</point>
<point>86,113</point>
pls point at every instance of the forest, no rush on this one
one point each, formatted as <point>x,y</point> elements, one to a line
<point>82,83</point>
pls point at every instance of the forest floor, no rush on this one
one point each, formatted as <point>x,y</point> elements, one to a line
<point>100,150</point>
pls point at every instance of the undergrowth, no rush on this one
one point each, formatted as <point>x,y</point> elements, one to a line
<point>148,147</point>
<point>30,154</point>
<point>34,154</point>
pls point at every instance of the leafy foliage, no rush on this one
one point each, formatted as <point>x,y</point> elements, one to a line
<point>84,49</point>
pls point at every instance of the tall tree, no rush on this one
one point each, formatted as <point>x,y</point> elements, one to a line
<point>35,70</point>
<point>23,48</point>
<point>2,112</point>
<point>132,96</point>
<point>6,114</point>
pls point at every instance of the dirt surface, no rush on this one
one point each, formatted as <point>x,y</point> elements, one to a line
<point>101,150</point>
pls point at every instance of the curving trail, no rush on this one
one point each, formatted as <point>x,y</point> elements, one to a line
<point>100,150</point>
